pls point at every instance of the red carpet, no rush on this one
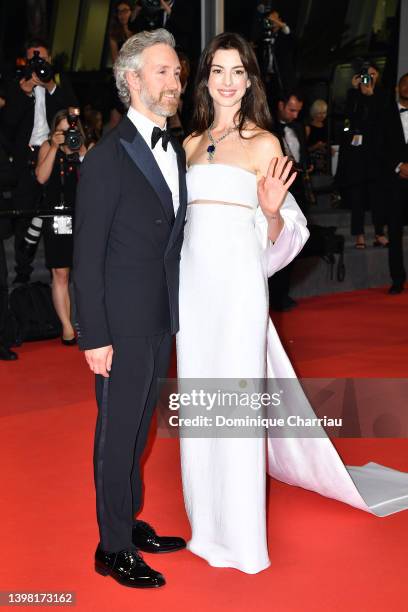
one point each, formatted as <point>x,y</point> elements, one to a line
<point>325,555</point>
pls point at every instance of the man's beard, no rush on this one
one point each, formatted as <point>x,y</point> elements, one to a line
<point>157,105</point>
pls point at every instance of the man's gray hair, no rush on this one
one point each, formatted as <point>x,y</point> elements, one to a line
<point>129,57</point>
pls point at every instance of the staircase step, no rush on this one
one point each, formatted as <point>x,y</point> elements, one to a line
<point>364,269</point>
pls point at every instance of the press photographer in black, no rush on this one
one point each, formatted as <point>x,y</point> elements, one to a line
<point>7,182</point>
<point>32,101</point>
<point>358,173</point>
<point>275,51</point>
<point>57,169</point>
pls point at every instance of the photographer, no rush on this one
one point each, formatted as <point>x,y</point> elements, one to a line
<point>154,14</point>
<point>276,47</point>
<point>359,166</point>
<point>58,169</point>
<point>31,102</point>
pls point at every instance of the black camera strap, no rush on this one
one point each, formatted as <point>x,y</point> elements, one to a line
<point>62,175</point>
<point>62,179</point>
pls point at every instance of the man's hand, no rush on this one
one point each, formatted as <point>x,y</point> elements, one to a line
<point>50,86</point>
<point>27,86</point>
<point>273,17</point>
<point>165,6</point>
<point>100,360</point>
<point>403,172</point>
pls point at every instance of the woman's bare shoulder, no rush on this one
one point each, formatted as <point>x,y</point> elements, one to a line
<point>264,144</point>
<point>191,143</point>
<point>191,138</point>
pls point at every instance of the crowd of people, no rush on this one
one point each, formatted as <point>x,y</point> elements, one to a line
<point>43,142</point>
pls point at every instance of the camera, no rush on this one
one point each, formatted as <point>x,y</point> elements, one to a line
<point>152,11</point>
<point>151,6</point>
<point>73,136</point>
<point>40,67</point>
<point>365,76</point>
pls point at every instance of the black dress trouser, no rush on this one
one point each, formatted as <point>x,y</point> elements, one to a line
<point>398,216</point>
<point>366,195</point>
<point>126,402</point>
<point>27,195</point>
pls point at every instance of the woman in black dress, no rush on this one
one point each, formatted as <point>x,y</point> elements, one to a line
<point>317,137</point>
<point>58,169</point>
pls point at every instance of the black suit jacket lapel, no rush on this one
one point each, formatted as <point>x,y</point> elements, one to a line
<point>141,155</point>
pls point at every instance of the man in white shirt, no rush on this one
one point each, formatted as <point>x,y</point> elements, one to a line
<point>130,213</point>
<point>31,104</point>
<point>293,140</point>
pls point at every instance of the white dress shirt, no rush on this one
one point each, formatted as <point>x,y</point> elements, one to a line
<point>291,143</point>
<point>166,160</point>
<point>404,121</point>
<point>41,129</point>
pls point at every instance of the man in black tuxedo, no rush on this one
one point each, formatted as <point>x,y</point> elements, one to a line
<point>129,224</point>
<point>292,136</point>
<point>31,104</point>
<point>394,149</point>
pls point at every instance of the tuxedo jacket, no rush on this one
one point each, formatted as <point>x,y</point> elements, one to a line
<point>127,242</point>
<point>394,149</point>
<point>18,116</point>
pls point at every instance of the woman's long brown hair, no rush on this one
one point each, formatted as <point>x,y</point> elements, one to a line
<point>116,30</point>
<point>254,105</point>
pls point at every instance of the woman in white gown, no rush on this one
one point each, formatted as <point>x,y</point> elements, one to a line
<point>241,227</point>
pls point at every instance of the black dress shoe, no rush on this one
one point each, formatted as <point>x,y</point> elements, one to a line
<point>284,305</point>
<point>6,354</point>
<point>145,538</point>
<point>396,288</point>
<point>128,568</point>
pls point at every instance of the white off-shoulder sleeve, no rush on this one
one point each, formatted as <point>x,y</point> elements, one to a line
<point>276,255</point>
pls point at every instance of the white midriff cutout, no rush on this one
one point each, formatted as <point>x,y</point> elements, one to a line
<point>219,202</point>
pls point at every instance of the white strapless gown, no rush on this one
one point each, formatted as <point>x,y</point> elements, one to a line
<point>226,332</point>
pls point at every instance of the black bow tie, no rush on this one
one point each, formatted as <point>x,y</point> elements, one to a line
<point>403,110</point>
<point>165,135</point>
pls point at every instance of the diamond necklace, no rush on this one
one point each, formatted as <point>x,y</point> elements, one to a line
<point>212,147</point>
